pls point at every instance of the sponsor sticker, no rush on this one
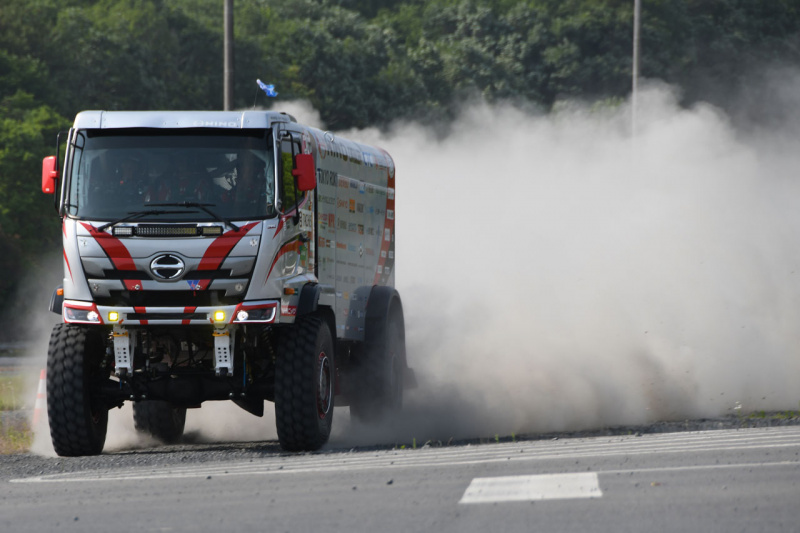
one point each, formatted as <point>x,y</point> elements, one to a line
<point>328,177</point>
<point>306,220</point>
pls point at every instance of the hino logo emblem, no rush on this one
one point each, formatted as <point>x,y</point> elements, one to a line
<point>167,266</point>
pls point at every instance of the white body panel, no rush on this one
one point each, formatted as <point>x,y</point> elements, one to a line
<point>342,239</point>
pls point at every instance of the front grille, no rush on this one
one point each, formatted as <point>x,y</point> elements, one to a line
<point>168,299</point>
<point>224,273</point>
<point>167,316</point>
<point>167,230</point>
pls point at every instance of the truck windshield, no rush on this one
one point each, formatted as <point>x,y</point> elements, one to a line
<point>118,172</point>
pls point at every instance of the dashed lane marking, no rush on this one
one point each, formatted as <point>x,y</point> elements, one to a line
<point>532,488</point>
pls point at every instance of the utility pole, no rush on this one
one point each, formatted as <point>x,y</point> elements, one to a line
<point>228,46</point>
<point>637,22</point>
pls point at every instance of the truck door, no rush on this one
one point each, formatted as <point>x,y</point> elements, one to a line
<point>297,207</point>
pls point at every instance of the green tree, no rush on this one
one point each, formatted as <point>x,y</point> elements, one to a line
<point>29,227</point>
<point>27,134</point>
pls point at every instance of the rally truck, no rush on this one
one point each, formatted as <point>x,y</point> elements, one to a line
<point>221,256</point>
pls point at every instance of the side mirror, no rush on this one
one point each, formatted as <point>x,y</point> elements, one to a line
<point>49,174</point>
<point>305,172</point>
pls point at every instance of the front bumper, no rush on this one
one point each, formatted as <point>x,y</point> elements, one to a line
<point>251,312</point>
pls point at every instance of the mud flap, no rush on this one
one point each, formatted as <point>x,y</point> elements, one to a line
<point>254,406</point>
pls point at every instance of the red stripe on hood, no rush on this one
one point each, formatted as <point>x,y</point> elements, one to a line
<point>219,249</point>
<point>113,247</point>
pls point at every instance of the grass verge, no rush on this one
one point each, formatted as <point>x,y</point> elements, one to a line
<point>15,437</point>
<point>12,392</point>
<point>15,432</point>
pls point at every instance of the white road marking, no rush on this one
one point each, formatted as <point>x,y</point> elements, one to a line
<point>527,451</point>
<point>532,488</point>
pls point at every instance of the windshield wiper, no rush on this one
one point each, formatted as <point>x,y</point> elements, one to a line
<point>133,215</point>
<point>202,207</point>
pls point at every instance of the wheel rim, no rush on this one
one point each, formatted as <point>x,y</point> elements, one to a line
<point>324,387</point>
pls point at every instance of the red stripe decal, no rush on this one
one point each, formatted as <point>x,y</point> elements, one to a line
<point>291,246</point>
<point>141,311</point>
<point>133,285</point>
<point>188,310</point>
<point>66,260</point>
<point>280,226</point>
<point>219,249</point>
<point>387,239</point>
<point>113,248</point>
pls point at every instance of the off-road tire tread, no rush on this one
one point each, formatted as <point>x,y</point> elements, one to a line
<point>296,418</point>
<point>373,401</point>
<point>159,419</point>
<point>72,429</point>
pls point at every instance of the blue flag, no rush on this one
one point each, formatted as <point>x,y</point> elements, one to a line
<point>269,89</point>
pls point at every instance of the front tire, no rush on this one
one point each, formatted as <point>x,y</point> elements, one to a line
<point>78,417</point>
<point>159,419</point>
<point>304,385</point>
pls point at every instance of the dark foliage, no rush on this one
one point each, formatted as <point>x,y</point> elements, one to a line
<point>359,62</point>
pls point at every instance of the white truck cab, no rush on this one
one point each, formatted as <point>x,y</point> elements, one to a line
<point>221,256</point>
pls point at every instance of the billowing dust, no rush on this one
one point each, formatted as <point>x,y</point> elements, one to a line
<point>557,274</point>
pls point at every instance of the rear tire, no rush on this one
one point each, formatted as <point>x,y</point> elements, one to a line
<point>379,376</point>
<point>304,385</point>
<point>159,419</point>
<point>78,417</point>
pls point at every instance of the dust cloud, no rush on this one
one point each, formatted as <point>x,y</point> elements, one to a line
<point>558,275</point>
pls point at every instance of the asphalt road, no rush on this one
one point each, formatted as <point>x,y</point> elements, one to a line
<point>723,480</point>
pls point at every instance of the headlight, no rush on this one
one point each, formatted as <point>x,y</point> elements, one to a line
<point>257,313</point>
<point>89,315</point>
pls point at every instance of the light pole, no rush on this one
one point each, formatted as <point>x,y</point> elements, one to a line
<point>637,16</point>
<point>228,50</point>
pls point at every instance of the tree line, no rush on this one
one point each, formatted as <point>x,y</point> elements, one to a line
<point>359,62</point>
